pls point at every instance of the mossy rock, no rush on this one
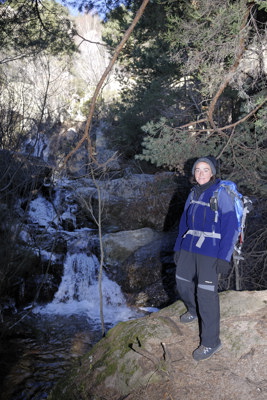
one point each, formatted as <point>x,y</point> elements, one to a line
<point>151,357</point>
<point>131,354</point>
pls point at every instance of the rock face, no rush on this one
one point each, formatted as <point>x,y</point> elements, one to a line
<point>133,202</point>
<point>141,262</point>
<point>151,357</point>
<point>138,244</point>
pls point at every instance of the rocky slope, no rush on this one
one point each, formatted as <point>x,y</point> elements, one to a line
<point>150,358</point>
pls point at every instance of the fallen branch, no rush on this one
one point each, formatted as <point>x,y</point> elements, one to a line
<point>162,363</point>
<point>138,349</point>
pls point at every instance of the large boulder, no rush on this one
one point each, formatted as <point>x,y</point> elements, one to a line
<point>140,262</point>
<point>139,219</point>
<point>151,357</point>
<point>132,202</point>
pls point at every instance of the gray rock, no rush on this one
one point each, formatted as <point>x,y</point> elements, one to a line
<point>151,357</point>
<point>135,260</point>
<point>135,202</point>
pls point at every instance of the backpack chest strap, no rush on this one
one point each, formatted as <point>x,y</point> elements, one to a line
<point>202,203</point>
<point>202,235</point>
<point>212,204</point>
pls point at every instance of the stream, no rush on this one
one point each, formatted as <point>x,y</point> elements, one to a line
<point>39,350</point>
<point>40,343</point>
<point>37,347</point>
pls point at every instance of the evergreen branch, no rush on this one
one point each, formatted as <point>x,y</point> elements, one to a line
<point>39,16</point>
<point>226,145</point>
<point>229,76</point>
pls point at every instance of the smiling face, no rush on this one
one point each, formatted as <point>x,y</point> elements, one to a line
<point>202,173</point>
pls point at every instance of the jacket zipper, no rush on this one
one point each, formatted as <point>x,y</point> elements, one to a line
<point>193,224</point>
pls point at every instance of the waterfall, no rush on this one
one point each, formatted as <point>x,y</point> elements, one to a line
<point>78,292</point>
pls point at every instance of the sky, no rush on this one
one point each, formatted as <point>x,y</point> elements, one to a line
<point>72,10</point>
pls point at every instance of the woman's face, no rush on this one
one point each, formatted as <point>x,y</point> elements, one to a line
<point>202,173</point>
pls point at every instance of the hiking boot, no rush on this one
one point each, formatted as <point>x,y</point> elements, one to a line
<point>203,353</point>
<point>187,317</point>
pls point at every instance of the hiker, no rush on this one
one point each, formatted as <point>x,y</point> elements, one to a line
<point>203,249</point>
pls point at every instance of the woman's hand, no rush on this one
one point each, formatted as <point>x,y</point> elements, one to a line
<point>223,266</point>
<point>176,257</point>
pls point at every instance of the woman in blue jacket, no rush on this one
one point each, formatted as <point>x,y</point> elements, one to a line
<point>203,249</point>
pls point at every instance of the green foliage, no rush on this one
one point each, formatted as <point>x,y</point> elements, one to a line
<point>247,153</point>
<point>28,28</point>
<point>119,20</point>
<point>102,7</point>
<point>207,39</point>
<point>262,4</point>
<point>84,109</point>
<point>172,73</point>
<point>205,42</point>
<point>172,147</point>
<point>243,155</point>
<point>146,73</point>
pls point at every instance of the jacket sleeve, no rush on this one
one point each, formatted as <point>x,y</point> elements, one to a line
<point>228,225</point>
<point>182,224</point>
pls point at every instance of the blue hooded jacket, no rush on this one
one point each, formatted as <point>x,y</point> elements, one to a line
<point>201,232</point>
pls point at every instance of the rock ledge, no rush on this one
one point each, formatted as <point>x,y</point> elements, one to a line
<point>151,357</point>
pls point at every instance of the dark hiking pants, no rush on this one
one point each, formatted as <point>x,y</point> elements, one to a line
<point>197,284</point>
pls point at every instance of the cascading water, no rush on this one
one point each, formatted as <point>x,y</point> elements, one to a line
<point>52,336</point>
<point>79,289</point>
<point>78,292</point>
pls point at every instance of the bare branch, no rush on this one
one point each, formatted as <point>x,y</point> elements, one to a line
<point>223,128</point>
<point>226,145</point>
<point>118,49</point>
<point>89,41</point>
<point>229,76</point>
